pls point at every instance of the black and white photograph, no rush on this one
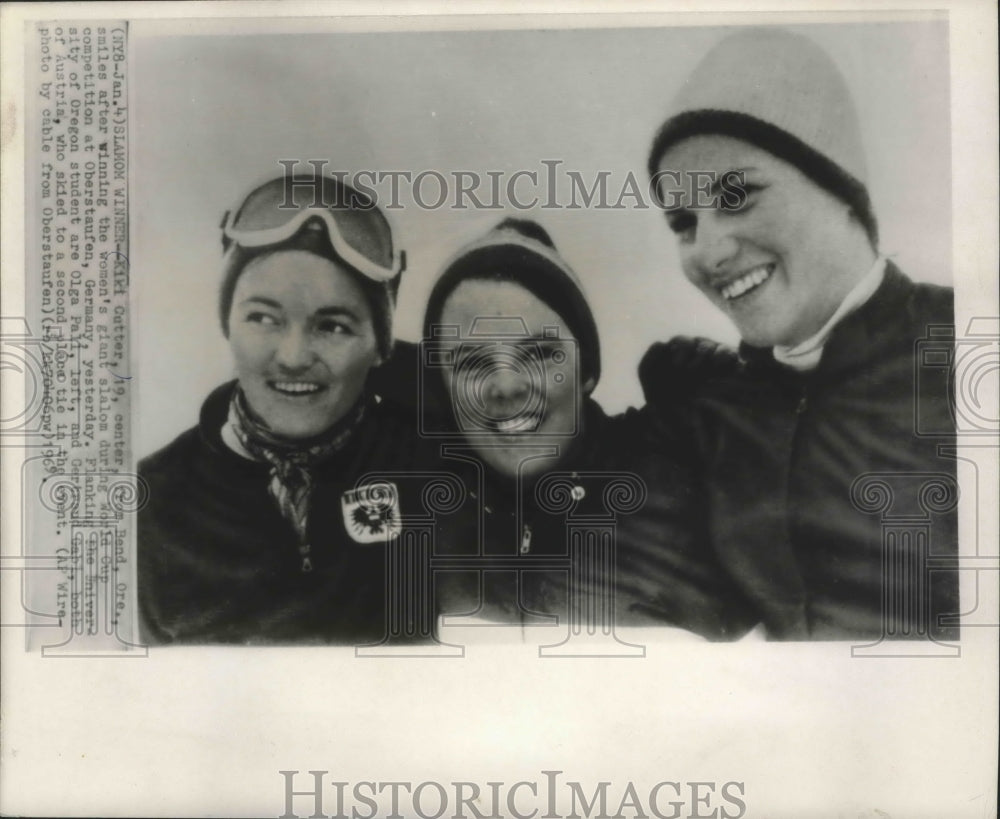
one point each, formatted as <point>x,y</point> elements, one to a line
<point>501,413</point>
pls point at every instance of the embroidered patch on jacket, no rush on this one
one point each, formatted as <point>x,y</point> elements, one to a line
<point>371,512</point>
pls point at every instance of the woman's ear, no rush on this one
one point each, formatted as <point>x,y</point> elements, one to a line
<point>588,385</point>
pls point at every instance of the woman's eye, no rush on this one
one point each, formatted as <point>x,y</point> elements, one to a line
<point>265,319</point>
<point>331,327</point>
<point>739,198</point>
<point>683,225</point>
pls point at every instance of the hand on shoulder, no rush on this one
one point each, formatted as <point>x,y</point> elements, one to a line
<point>682,363</point>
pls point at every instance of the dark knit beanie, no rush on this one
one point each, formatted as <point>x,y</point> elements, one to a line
<point>360,220</point>
<point>521,251</point>
<point>781,92</point>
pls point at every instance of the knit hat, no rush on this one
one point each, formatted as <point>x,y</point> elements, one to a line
<point>781,92</point>
<point>521,251</point>
<point>364,232</point>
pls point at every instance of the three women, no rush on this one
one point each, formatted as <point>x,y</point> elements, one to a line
<point>755,471</point>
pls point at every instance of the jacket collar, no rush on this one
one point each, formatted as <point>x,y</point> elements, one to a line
<point>854,341</point>
<point>214,415</point>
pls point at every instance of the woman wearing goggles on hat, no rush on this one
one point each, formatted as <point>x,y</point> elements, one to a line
<point>827,391</point>
<point>510,357</point>
<point>256,529</point>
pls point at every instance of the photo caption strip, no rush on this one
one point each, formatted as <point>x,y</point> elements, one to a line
<point>80,493</point>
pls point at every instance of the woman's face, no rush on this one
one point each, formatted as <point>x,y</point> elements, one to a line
<point>778,266</point>
<point>302,337</point>
<point>513,379</point>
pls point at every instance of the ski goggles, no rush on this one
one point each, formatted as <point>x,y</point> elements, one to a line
<point>277,210</point>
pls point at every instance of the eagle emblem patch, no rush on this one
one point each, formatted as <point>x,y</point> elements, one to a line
<point>371,512</point>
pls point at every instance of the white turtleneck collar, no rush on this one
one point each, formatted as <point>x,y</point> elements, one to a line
<point>806,354</point>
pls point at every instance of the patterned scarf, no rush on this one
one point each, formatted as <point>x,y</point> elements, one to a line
<point>291,461</point>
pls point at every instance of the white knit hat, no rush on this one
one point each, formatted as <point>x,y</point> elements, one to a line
<point>783,93</point>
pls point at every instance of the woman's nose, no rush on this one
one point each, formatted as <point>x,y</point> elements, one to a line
<point>294,350</point>
<point>714,244</point>
<point>506,384</point>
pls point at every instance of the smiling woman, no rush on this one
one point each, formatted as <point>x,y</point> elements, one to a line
<point>303,339</point>
<point>823,404</point>
<point>258,528</point>
<point>780,264</point>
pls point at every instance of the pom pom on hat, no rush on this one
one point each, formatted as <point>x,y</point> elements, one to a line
<point>531,230</point>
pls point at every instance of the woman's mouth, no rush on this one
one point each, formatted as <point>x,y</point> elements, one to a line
<point>747,283</point>
<point>296,389</point>
<point>518,424</point>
